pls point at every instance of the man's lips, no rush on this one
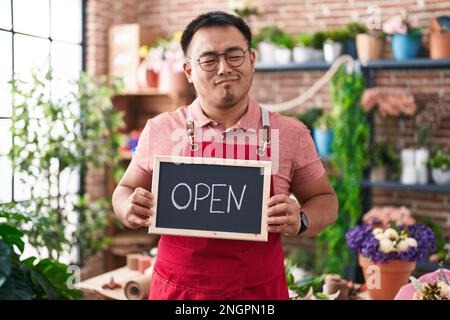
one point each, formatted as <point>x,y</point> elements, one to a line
<point>223,81</point>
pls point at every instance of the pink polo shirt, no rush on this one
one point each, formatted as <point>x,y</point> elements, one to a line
<point>294,156</point>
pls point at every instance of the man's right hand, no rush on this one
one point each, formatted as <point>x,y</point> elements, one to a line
<point>139,210</point>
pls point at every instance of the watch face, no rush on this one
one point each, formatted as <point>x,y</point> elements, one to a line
<point>304,220</point>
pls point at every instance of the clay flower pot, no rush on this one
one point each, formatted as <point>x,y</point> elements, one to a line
<point>369,47</point>
<point>393,274</point>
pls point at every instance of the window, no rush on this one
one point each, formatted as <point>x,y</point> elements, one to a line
<point>30,32</point>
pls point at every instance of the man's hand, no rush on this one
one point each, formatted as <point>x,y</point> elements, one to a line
<point>139,210</point>
<point>283,215</point>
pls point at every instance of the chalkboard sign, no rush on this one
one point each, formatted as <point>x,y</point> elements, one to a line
<point>210,197</point>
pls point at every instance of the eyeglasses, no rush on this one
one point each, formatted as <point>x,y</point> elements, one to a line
<point>234,58</point>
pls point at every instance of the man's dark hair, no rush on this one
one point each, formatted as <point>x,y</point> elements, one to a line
<point>214,19</point>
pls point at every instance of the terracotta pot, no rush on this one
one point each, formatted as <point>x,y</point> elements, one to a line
<point>369,47</point>
<point>393,274</point>
<point>171,81</point>
<point>440,45</point>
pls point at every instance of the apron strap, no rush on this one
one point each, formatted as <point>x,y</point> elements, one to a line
<point>190,129</point>
<point>266,131</point>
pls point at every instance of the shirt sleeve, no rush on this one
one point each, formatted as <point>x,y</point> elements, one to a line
<point>307,164</point>
<point>142,159</point>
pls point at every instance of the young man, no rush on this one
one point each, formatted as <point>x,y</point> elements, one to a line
<point>220,64</point>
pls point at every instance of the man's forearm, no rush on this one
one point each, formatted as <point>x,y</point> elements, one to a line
<point>119,202</point>
<point>321,211</point>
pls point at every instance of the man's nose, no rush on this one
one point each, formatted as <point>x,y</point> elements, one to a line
<point>223,67</point>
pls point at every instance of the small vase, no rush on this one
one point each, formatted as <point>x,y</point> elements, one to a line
<point>409,174</point>
<point>378,174</point>
<point>171,81</point>
<point>350,48</point>
<point>405,46</point>
<point>331,50</point>
<point>282,55</point>
<point>420,161</point>
<point>440,176</point>
<point>265,50</point>
<point>323,139</point>
<point>392,274</point>
<point>303,54</point>
<point>369,47</point>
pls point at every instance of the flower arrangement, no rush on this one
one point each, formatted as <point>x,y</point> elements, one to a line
<point>390,102</point>
<point>434,290</point>
<point>165,50</point>
<point>399,24</point>
<point>391,233</point>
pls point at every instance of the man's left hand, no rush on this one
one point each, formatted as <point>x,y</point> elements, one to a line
<point>283,215</point>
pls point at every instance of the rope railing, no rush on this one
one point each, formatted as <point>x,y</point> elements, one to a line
<point>297,104</point>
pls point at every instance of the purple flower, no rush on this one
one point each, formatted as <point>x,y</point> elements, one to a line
<point>361,240</point>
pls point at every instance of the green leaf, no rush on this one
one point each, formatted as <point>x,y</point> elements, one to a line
<point>5,262</point>
<point>12,236</point>
<point>17,287</point>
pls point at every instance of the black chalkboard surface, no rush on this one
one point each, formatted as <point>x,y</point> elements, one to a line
<point>210,197</point>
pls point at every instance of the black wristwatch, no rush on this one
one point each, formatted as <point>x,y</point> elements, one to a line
<point>304,222</point>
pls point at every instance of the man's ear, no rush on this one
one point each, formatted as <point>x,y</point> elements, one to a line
<point>187,71</point>
<point>252,58</point>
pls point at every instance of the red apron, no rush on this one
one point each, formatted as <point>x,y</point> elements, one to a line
<point>192,268</point>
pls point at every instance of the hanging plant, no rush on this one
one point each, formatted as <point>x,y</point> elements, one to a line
<point>349,158</point>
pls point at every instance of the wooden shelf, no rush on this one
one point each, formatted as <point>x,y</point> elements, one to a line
<point>394,185</point>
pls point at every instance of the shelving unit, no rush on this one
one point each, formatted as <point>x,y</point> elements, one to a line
<point>368,70</point>
<point>138,106</point>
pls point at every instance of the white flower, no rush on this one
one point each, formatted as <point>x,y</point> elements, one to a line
<point>403,245</point>
<point>377,231</point>
<point>445,289</point>
<point>411,242</point>
<point>386,245</point>
<point>391,234</point>
<point>380,236</point>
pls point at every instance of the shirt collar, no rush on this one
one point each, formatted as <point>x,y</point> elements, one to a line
<point>249,121</point>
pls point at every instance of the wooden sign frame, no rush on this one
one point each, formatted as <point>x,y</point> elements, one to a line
<point>263,165</point>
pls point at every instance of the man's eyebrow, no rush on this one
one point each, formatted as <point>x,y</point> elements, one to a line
<point>215,52</point>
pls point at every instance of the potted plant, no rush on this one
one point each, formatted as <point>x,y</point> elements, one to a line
<point>303,50</point>
<point>332,47</point>
<point>405,37</point>
<point>370,45</point>
<point>283,48</point>
<point>384,158</point>
<point>317,44</point>
<point>440,37</point>
<point>389,243</point>
<point>323,134</point>
<point>440,166</point>
<point>352,30</point>
<point>166,58</point>
<point>265,43</point>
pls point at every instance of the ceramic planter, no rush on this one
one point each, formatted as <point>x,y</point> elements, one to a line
<point>369,47</point>
<point>392,274</point>
<point>331,50</point>
<point>266,52</point>
<point>405,46</point>
<point>409,175</point>
<point>282,55</point>
<point>303,54</point>
<point>171,81</point>
<point>440,176</point>
<point>421,157</point>
<point>440,45</point>
<point>350,48</point>
<point>323,139</point>
<point>378,174</point>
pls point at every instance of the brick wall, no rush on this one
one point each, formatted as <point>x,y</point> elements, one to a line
<point>296,16</point>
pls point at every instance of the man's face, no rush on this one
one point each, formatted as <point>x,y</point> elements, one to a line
<point>225,85</point>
